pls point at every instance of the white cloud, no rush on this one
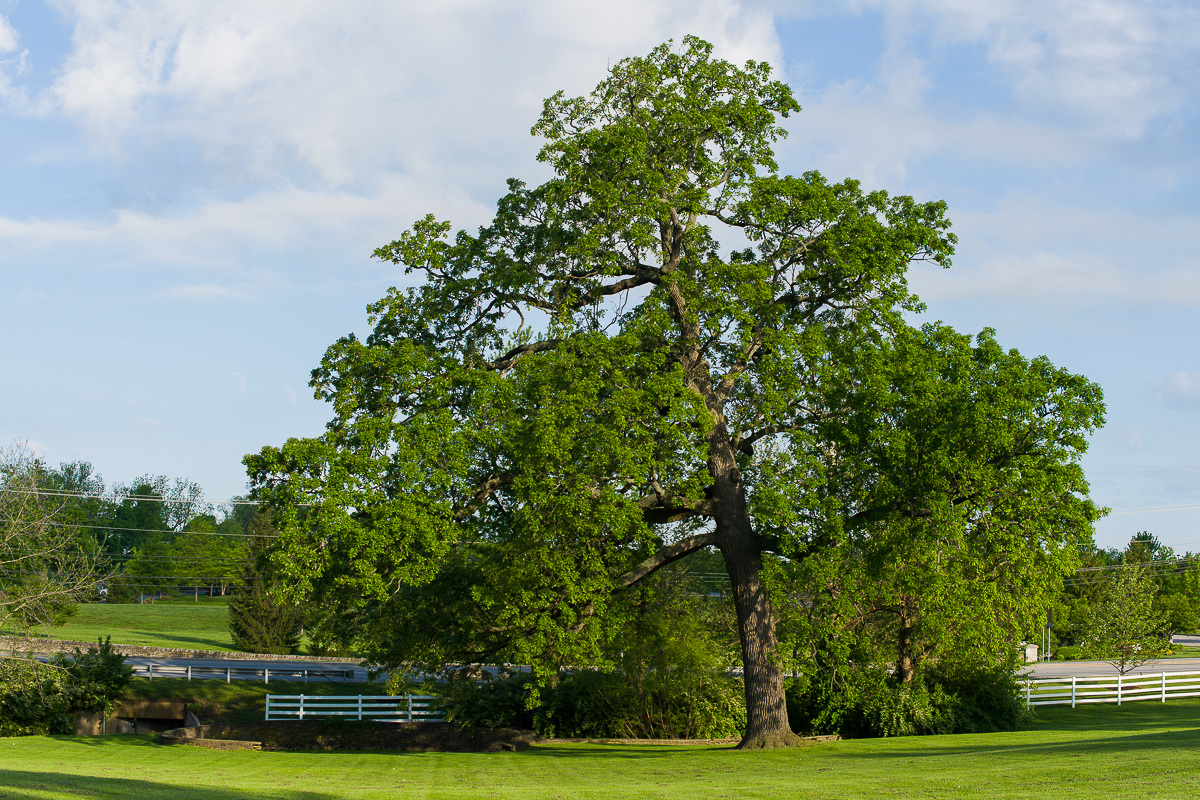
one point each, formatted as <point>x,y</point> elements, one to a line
<point>343,91</point>
<point>1027,250</point>
<point>8,36</point>
<point>1134,439</point>
<point>1118,63</point>
<point>1181,390</point>
<point>202,292</point>
<point>11,66</point>
<point>238,380</point>
<point>275,219</point>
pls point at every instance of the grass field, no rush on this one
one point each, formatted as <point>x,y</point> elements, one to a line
<point>202,625</point>
<point>1143,750</point>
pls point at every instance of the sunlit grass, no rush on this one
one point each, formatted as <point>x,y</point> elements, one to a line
<point>1144,750</point>
<point>202,625</point>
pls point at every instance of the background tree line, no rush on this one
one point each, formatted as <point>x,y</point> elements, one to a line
<point>66,538</point>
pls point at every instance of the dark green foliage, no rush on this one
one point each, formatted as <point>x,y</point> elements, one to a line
<point>258,621</point>
<point>668,677</point>
<point>590,703</point>
<point>1177,612</point>
<point>260,624</point>
<point>36,698</point>
<point>94,679</point>
<point>503,702</point>
<point>1069,653</point>
<point>33,698</point>
<point>945,698</point>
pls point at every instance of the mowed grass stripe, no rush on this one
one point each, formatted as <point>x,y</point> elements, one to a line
<point>1143,750</point>
<point>176,623</point>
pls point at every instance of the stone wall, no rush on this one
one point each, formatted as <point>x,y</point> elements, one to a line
<point>336,734</point>
<point>51,646</point>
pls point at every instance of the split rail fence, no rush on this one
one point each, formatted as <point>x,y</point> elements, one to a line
<point>1117,689</point>
<point>390,708</point>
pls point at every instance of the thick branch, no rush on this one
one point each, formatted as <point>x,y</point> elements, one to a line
<point>508,359</point>
<point>666,555</point>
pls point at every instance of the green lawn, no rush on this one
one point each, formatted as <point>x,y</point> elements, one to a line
<point>1143,750</point>
<point>202,625</point>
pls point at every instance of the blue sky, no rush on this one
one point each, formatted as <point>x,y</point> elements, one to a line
<point>190,192</point>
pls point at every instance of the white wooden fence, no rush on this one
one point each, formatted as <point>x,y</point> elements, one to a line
<point>1111,688</point>
<point>396,708</point>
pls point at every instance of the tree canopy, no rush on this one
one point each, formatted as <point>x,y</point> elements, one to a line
<point>594,385</point>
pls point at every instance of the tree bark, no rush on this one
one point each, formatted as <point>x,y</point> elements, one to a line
<point>906,663</point>
<point>766,707</point>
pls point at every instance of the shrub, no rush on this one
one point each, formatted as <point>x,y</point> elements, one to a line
<point>93,680</point>
<point>946,698</point>
<point>33,699</point>
<point>36,698</point>
<point>593,703</point>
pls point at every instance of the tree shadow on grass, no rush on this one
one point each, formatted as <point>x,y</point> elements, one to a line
<point>1004,744</point>
<point>640,751</point>
<point>1140,716</point>
<point>165,639</point>
<point>29,785</point>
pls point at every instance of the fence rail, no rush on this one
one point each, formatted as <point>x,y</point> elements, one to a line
<point>1117,689</point>
<point>152,671</point>
<point>390,708</point>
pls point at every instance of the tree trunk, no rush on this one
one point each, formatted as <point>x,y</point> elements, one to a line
<point>906,663</point>
<point>766,707</point>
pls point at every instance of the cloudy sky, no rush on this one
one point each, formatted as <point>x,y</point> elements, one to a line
<point>190,191</point>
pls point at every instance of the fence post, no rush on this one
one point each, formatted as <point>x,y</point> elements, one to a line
<point>306,676</point>
<point>301,706</point>
<point>1119,677</point>
<point>410,706</point>
<point>268,707</point>
<point>266,679</point>
<point>1073,691</point>
<point>1164,687</point>
<point>360,706</point>
<point>189,670</point>
<point>149,672</point>
<point>227,671</point>
<point>1027,693</point>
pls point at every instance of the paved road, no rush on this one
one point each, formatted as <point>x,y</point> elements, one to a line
<point>1064,669</point>
<point>292,670</point>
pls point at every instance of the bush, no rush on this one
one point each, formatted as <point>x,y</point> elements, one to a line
<point>1069,653</point>
<point>33,698</point>
<point>946,698</point>
<point>36,698</point>
<point>93,680</point>
<point>592,703</point>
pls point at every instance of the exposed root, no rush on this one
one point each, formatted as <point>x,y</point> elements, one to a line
<point>772,741</point>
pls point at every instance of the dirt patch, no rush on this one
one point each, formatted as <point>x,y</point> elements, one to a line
<point>349,735</point>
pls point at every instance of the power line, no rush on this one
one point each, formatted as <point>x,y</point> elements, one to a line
<point>149,498</point>
<point>102,526</point>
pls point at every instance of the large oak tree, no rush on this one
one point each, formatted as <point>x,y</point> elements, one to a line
<point>593,386</point>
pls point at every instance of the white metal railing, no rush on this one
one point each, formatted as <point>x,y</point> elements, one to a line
<point>390,708</point>
<point>152,671</point>
<point>1117,689</point>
